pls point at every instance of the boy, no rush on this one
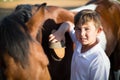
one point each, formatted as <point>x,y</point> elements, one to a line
<point>89,61</point>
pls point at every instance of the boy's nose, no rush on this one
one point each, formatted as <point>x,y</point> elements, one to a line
<point>82,33</point>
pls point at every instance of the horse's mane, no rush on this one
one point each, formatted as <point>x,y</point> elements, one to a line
<point>14,38</point>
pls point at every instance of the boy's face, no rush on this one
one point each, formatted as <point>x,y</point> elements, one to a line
<point>86,33</point>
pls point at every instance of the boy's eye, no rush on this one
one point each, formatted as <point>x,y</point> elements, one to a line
<point>76,28</point>
<point>86,29</point>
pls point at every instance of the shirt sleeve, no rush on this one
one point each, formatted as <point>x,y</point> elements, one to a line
<point>72,35</point>
<point>99,70</point>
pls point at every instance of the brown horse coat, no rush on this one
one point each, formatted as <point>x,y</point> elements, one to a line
<point>21,56</point>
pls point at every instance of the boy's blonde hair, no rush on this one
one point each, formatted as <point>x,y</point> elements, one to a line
<point>87,15</point>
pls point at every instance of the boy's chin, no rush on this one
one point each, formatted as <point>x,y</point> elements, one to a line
<point>83,42</point>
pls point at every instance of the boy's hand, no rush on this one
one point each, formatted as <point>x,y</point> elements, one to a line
<point>59,34</point>
<point>56,36</point>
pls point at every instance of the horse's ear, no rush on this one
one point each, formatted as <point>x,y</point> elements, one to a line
<point>39,5</point>
<point>42,8</point>
<point>43,4</point>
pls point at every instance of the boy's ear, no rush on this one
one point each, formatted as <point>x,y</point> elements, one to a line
<point>100,29</point>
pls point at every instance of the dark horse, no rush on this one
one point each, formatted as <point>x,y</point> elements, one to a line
<point>21,56</point>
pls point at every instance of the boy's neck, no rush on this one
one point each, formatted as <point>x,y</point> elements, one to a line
<point>87,47</point>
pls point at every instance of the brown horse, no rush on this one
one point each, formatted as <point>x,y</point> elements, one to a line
<point>21,56</point>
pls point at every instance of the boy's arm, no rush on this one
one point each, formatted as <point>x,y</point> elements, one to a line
<point>59,34</point>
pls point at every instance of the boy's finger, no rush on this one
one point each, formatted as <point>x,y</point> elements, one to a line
<point>54,40</point>
<point>51,37</point>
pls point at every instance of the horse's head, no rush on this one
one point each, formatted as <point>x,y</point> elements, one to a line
<point>12,26</point>
<point>26,11</point>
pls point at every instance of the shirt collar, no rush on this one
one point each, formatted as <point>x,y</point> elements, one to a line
<point>89,52</point>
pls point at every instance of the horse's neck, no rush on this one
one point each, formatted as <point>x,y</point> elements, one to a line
<point>36,22</point>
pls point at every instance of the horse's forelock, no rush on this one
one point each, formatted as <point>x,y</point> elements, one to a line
<point>24,12</point>
<point>25,7</point>
<point>24,15</point>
